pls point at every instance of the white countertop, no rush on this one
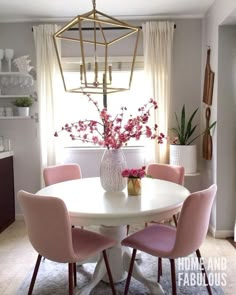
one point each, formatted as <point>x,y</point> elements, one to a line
<point>6,154</point>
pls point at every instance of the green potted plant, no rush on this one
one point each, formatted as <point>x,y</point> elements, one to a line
<point>183,151</point>
<point>23,104</point>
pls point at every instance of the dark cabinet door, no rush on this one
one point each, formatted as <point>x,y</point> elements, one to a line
<point>7,194</point>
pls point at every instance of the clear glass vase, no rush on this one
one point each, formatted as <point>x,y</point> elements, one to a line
<point>112,164</point>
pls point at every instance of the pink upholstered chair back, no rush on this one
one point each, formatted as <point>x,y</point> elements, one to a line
<point>59,173</point>
<point>48,226</point>
<point>167,172</point>
<point>194,221</point>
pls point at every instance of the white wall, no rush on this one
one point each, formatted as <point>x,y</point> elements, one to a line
<point>24,135</point>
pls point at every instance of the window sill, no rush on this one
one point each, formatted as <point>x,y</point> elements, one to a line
<point>96,149</point>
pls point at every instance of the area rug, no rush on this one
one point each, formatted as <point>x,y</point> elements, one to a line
<point>52,280</point>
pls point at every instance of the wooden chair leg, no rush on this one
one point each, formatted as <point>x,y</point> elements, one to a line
<point>70,278</point>
<point>109,272</point>
<point>159,270</point>
<point>175,220</point>
<point>127,229</point>
<point>130,272</point>
<point>203,271</point>
<point>36,268</point>
<point>173,277</point>
<point>75,276</point>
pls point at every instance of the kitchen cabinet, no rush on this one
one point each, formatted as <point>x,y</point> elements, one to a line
<point>7,194</point>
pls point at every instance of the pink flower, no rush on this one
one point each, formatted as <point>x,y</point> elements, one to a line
<point>142,173</point>
<point>95,139</point>
<point>125,173</point>
<point>134,173</point>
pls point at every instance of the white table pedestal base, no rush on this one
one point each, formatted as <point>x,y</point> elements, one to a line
<point>119,259</point>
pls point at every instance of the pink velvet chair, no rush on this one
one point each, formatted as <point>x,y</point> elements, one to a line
<point>59,173</point>
<point>50,233</point>
<point>167,172</point>
<point>172,173</point>
<point>169,242</point>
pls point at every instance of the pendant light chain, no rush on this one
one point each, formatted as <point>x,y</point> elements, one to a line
<point>95,46</point>
<point>94,4</point>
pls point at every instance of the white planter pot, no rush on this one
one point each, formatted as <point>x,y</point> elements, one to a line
<point>23,111</point>
<point>184,155</point>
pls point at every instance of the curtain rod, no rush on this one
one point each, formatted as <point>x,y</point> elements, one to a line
<point>106,28</point>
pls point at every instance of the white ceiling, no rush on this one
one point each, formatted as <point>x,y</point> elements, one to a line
<point>41,10</point>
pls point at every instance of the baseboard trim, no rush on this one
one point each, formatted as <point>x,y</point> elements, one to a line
<point>220,234</point>
<point>19,217</point>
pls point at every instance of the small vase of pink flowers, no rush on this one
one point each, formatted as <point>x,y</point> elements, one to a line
<point>134,176</point>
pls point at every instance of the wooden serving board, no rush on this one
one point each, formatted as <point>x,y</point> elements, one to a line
<point>208,81</point>
<point>207,139</point>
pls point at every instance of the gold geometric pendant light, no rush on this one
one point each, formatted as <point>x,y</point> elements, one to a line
<point>94,38</point>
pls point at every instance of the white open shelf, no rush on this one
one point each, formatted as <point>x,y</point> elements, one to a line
<point>14,74</point>
<point>15,117</point>
<point>15,79</point>
<point>31,117</point>
<point>13,95</point>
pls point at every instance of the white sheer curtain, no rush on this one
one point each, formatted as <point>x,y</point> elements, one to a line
<point>158,43</point>
<point>50,92</point>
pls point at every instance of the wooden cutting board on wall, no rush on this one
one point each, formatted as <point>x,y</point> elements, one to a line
<point>208,81</point>
<point>207,99</point>
<point>207,139</point>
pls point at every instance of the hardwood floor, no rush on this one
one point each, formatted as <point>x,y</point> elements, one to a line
<point>17,257</point>
<point>232,242</point>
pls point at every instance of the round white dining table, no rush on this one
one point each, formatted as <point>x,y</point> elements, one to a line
<point>88,204</point>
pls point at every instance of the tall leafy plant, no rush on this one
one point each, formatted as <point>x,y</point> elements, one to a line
<point>184,132</point>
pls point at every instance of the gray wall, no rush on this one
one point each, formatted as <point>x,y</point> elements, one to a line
<point>24,134</point>
<point>221,169</point>
<point>186,85</point>
<point>226,118</point>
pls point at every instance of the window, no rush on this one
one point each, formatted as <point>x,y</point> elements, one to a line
<point>79,108</point>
